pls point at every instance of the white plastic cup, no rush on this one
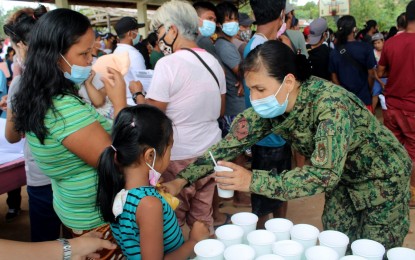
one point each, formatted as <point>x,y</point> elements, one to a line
<point>226,194</point>
<point>209,249</point>
<point>399,253</point>
<point>321,253</point>
<point>261,240</point>
<point>230,234</point>
<point>288,249</point>
<point>352,257</point>
<point>335,240</point>
<point>280,227</point>
<point>239,252</point>
<point>305,234</point>
<point>269,257</point>
<point>247,221</point>
<point>369,249</point>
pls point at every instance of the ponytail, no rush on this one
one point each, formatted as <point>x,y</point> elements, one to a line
<point>135,130</point>
<point>110,182</point>
<point>303,68</point>
<point>345,26</point>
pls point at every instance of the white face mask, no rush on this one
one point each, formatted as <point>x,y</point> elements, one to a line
<point>153,175</point>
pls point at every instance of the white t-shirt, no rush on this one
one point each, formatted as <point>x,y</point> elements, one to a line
<point>137,63</point>
<point>193,97</point>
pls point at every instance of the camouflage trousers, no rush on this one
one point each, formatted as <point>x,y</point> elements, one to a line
<point>387,223</point>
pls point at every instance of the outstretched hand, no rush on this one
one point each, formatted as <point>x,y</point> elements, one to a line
<point>199,232</point>
<point>239,179</point>
<point>88,244</point>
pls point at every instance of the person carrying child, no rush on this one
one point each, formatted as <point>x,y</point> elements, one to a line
<point>142,221</point>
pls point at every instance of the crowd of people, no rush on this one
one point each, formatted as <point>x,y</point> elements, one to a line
<point>97,142</point>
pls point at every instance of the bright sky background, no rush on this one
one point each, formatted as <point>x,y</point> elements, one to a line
<point>7,5</point>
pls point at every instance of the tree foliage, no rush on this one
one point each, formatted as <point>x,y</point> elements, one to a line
<point>384,12</point>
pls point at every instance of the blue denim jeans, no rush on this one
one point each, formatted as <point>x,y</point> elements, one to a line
<point>45,225</point>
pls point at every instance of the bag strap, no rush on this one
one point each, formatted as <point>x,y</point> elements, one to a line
<point>343,52</point>
<point>204,64</point>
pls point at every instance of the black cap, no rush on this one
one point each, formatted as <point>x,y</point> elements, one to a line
<point>245,20</point>
<point>127,24</point>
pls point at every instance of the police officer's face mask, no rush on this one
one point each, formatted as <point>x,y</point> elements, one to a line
<point>269,107</point>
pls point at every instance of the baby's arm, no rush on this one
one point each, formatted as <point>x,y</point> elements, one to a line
<point>96,96</point>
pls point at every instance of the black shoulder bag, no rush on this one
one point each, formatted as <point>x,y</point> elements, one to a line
<point>343,52</point>
<point>204,63</point>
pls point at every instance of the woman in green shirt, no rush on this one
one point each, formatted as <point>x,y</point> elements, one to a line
<point>65,134</point>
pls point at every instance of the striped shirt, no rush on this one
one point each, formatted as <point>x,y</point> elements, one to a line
<point>127,233</point>
<point>73,180</point>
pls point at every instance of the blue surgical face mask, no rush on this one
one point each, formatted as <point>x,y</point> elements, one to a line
<point>136,39</point>
<point>208,28</point>
<point>269,107</point>
<point>231,28</point>
<point>78,73</point>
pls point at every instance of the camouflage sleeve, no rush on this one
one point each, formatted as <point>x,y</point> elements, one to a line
<point>246,129</point>
<point>331,143</point>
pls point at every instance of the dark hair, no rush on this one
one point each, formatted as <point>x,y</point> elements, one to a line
<point>401,20</point>
<point>345,26</point>
<point>135,130</point>
<point>202,6</point>
<point>226,10</point>
<point>392,32</point>
<point>370,24</point>
<point>266,11</point>
<point>410,12</point>
<point>152,39</point>
<point>42,79</point>
<point>279,60</point>
<point>21,23</point>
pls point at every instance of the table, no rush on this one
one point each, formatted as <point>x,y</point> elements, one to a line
<point>12,175</point>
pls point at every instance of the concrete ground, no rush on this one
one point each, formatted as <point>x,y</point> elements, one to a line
<point>306,210</point>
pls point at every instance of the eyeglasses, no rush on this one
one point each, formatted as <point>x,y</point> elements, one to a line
<point>9,31</point>
<point>156,31</point>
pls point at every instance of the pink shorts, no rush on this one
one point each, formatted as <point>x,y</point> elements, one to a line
<point>195,200</point>
<point>402,125</point>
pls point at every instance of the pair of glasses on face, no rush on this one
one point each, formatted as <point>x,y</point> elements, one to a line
<point>8,30</point>
<point>157,31</point>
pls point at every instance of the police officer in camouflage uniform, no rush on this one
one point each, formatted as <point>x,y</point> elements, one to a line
<point>358,163</point>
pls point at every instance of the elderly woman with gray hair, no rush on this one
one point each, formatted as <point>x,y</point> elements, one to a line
<point>189,86</point>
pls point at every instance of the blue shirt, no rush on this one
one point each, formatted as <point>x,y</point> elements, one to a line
<point>271,140</point>
<point>350,76</point>
<point>127,233</point>
<point>3,90</point>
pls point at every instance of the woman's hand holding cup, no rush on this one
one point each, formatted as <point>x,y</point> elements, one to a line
<point>238,179</point>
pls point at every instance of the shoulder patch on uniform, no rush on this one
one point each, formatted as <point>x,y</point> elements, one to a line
<point>240,129</point>
<point>320,155</point>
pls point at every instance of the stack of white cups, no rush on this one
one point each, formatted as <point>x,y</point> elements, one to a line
<point>305,234</point>
<point>274,243</point>
<point>261,241</point>
<point>209,249</point>
<point>247,221</point>
<point>281,228</point>
<point>335,240</point>
<point>399,253</point>
<point>369,249</point>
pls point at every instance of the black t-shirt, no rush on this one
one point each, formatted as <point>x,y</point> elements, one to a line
<point>319,60</point>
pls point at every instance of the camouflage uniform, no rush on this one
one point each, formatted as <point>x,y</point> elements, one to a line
<point>355,160</point>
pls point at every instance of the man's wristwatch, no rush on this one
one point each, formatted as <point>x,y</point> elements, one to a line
<point>67,252</point>
<point>135,95</point>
